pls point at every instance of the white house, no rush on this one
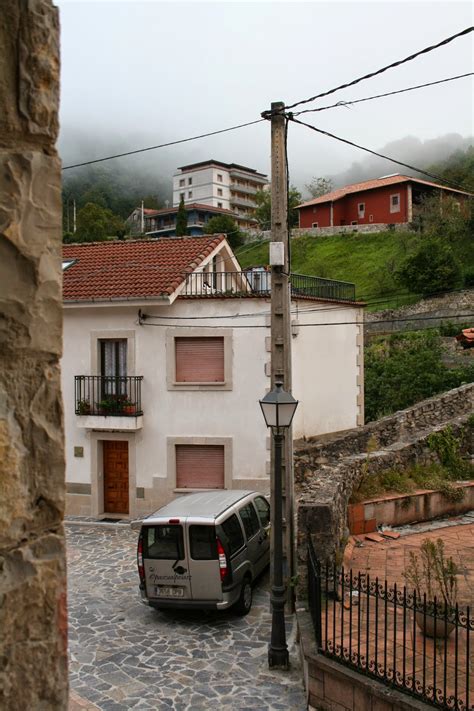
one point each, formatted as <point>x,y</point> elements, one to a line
<point>166,354</point>
<point>228,186</point>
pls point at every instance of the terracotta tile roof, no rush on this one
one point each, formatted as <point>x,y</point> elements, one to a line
<point>132,269</point>
<point>189,206</point>
<point>370,185</point>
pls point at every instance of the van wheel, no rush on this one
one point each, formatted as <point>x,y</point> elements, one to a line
<point>244,603</point>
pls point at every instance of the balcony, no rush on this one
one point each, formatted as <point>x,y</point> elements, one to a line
<point>247,189</point>
<point>259,282</point>
<point>108,402</point>
<point>242,201</point>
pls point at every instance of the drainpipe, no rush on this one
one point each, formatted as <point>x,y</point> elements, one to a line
<point>409,204</point>
<point>331,218</point>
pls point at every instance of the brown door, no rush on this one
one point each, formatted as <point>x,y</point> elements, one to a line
<point>115,456</point>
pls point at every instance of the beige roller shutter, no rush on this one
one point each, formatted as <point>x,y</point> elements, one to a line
<point>199,466</point>
<point>199,360</point>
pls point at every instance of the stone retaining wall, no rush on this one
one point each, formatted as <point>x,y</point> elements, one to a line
<point>327,471</point>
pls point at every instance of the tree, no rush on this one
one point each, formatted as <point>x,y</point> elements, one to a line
<point>319,186</point>
<point>444,216</point>
<point>96,223</point>
<point>263,198</point>
<point>227,225</point>
<point>431,269</point>
<point>181,220</point>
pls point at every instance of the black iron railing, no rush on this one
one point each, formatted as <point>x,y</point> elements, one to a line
<point>259,282</point>
<point>302,285</point>
<point>108,395</point>
<point>384,632</point>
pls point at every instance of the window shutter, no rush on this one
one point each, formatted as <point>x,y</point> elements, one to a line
<point>199,360</point>
<point>199,466</point>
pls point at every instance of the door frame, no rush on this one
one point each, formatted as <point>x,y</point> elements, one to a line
<point>97,472</point>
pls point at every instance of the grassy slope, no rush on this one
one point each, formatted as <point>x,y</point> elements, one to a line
<point>365,259</point>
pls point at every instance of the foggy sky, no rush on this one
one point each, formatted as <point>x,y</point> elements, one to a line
<point>140,73</point>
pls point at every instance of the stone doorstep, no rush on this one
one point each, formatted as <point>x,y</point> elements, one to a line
<point>77,703</point>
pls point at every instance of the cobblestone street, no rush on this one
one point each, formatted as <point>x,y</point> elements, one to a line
<point>124,655</point>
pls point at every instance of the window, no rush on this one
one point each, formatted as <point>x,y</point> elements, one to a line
<point>199,359</point>
<point>263,510</point>
<point>361,209</point>
<point>219,192</point>
<point>190,193</point>
<point>219,178</point>
<point>233,533</point>
<point>199,466</point>
<point>315,209</point>
<point>181,183</point>
<point>395,203</point>
<point>181,196</point>
<point>203,542</point>
<point>219,204</point>
<point>164,543</point>
<point>371,218</point>
<point>250,520</point>
<point>314,224</point>
<point>190,181</point>
<point>113,366</point>
<point>354,222</point>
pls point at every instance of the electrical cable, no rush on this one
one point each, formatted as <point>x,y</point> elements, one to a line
<point>380,155</point>
<point>380,96</point>
<point>163,145</point>
<point>304,325</point>
<point>443,42</point>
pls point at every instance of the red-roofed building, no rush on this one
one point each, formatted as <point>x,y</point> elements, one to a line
<point>166,354</point>
<point>383,201</point>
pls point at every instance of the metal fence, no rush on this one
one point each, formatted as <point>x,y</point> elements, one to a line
<point>392,635</point>
<point>108,395</point>
<point>259,282</point>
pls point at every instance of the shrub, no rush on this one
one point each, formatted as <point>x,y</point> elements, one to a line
<point>431,269</point>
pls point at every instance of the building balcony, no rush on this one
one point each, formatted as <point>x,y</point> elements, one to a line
<point>247,189</point>
<point>105,402</point>
<point>258,281</point>
<point>242,201</point>
<point>259,182</point>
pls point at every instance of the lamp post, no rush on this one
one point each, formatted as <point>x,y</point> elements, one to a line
<point>278,408</point>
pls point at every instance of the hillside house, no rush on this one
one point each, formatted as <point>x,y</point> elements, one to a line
<point>162,223</point>
<point>166,354</point>
<point>388,200</point>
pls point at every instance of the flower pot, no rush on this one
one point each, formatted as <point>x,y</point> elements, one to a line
<point>432,627</point>
<point>129,409</point>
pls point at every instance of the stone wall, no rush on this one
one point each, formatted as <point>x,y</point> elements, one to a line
<point>427,313</point>
<point>33,623</point>
<point>327,469</point>
<point>253,235</point>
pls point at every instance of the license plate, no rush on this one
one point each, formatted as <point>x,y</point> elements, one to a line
<point>168,591</point>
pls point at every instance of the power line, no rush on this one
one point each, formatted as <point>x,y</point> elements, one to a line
<point>384,69</point>
<point>379,155</point>
<point>303,325</point>
<point>380,96</point>
<point>163,145</point>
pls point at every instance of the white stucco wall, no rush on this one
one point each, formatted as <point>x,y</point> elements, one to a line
<point>204,187</point>
<point>324,380</point>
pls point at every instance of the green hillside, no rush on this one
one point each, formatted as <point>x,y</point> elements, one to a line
<point>368,260</point>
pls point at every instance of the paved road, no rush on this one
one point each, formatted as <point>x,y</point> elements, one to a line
<point>124,655</point>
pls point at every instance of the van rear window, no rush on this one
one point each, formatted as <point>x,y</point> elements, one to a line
<point>233,531</point>
<point>203,542</point>
<point>164,542</point>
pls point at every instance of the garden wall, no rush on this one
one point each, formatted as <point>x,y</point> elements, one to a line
<point>327,470</point>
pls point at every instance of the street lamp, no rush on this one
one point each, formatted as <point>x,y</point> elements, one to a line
<point>278,408</point>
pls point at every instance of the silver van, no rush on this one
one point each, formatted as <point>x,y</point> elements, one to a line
<point>204,551</point>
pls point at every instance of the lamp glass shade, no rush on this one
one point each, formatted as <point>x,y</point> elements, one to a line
<point>278,407</point>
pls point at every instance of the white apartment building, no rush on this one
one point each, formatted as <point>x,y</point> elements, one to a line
<point>224,185</point>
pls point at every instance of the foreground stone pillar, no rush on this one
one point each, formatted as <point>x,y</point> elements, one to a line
<point>33,625</point>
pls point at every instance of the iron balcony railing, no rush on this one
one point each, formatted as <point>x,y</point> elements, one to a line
<point>391,634</point>
<point>259,282</point>
<point>109,396</point>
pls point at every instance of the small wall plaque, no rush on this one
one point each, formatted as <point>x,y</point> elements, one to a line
<point>78,451</point>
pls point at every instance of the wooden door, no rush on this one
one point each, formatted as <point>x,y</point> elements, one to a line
<point>115,456</point>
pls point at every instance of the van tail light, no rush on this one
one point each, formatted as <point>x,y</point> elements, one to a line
<point>222,561</point>
<point>141,568</point>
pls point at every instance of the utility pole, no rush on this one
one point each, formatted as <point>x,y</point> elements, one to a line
<point>281,325</point>
<point>74,216</point>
